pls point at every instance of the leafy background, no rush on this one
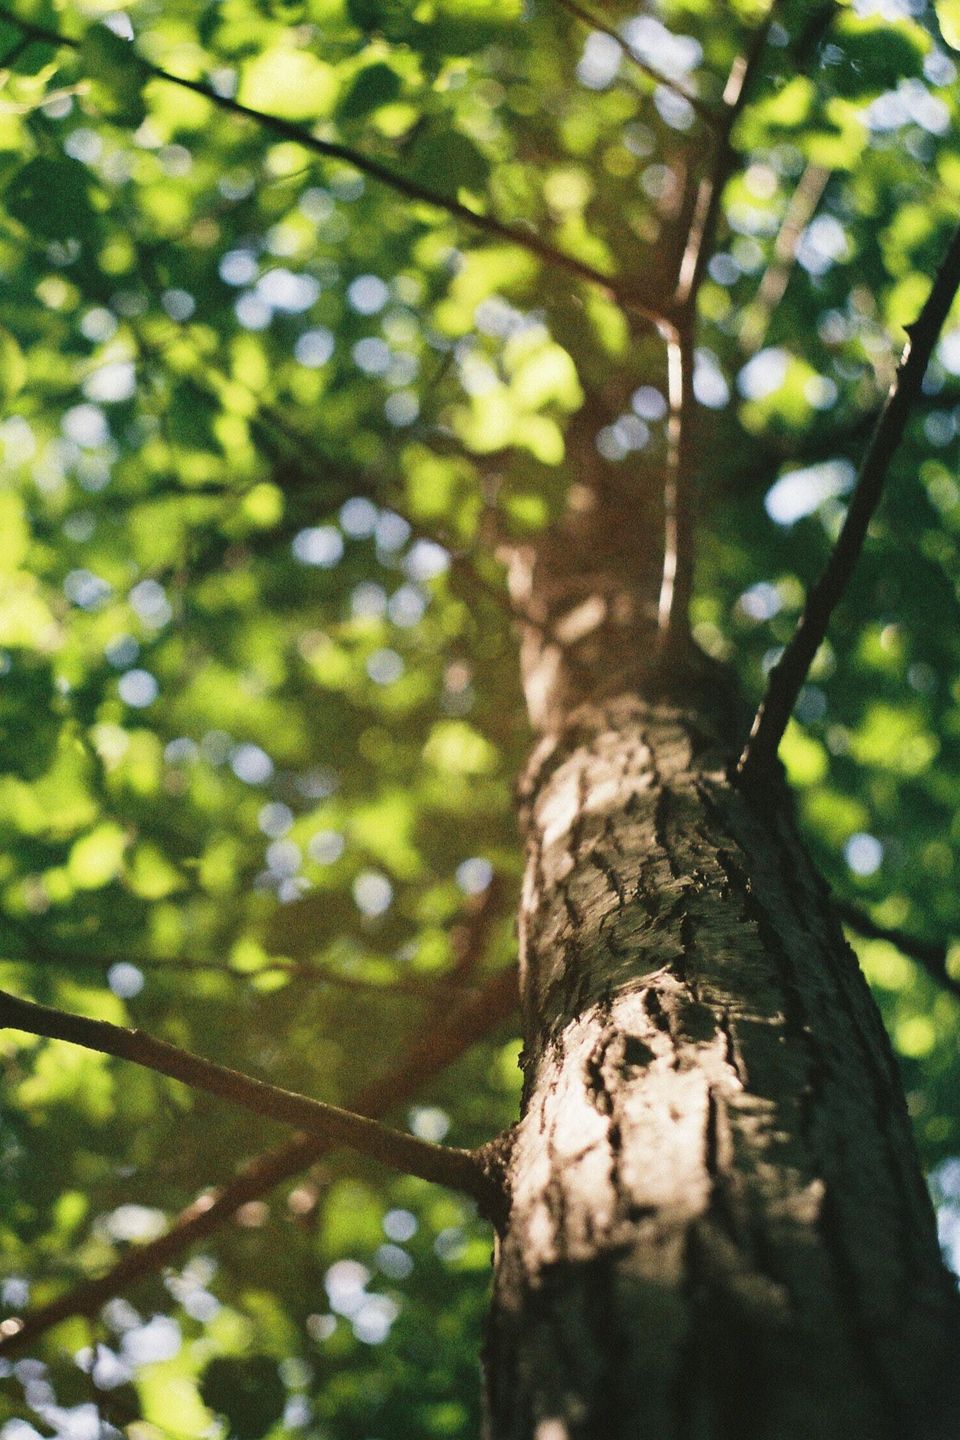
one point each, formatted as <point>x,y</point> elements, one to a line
<point>266,426</point>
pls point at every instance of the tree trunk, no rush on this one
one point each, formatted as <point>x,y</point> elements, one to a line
<point>717,1222</point>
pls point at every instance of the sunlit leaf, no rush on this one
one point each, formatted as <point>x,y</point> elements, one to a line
<point>948,15</point>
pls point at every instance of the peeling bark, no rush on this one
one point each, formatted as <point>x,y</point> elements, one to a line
<point>717,1225</point>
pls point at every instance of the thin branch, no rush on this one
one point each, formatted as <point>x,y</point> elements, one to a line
<point>455,1032</point>
<point>307,456</point>
<point>706,210</point>
<point>676,585</point>
<point>444,1165</point>
<point>929,955</point>
<point>426,988</point>
<point>800,211</point>
<point>790,671</point>
<point>594,22</point>
<point>678,549</point>
<point>515,234</point>
<point>309,460</point>
<point>677,581</point>
<point>469,939</point>
<point>363,482</point>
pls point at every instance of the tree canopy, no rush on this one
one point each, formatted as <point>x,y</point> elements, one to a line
<point>312,310</point>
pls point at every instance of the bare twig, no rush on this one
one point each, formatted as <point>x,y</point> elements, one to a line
<point>454,1032</point>
<point>677,580</point>
<point>445,1165</point>
<point>472,937</point>
<point>800,211</point>
<point>706,210</point>
<point>469,938</point>
<point>788,675</point>
<point>594,22</point>
<point>928,954</point>
<point>362,482</point>
<point>401,986</point>
<point>515,234</point>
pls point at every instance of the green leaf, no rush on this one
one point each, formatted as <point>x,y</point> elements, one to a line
<point>876,54</point>
<point>388,17</point>
<point>29,726</point>
<point>248,1393</point>
<point>13,367</point>
<point>447,161</point>
<point>374,86</point>
<point>289,83</point>
<point>96,858</point>
<point>27,59</point>
<point>50,198</point>
<point>117,73</point>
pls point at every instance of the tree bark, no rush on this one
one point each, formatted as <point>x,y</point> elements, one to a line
<point>717,1224</point>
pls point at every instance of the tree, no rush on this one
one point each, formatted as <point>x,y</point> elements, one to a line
<point>345,343</point>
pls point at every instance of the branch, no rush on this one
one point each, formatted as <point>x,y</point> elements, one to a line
<point>788,675</point>
<point>362,482</point>
<point>316,461</point>
<point>456,1032</point>
<point>706,210</point>
<point>927,953</point>
<point>676,585</point>
<point>593,22</point>
<point>515,234</point>
<point>444,1165</point>
<point>800,211</point>
<point>400,986</point>
<point>469,939</point>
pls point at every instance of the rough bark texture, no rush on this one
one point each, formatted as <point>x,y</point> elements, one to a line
<point>717,1224</point>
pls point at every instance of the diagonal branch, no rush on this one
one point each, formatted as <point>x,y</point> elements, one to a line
<point>788,675</point>
<point>472,936</point>
<point>469,938</point>
<point>400,987</point>
<point>362,482</point>
<point>523,236</point>
<point>706,210</point>
<point>444,1165</point>
<point>928,954</point>
<point>594,22</point>
<point>454,1034</point>
<point>800,211</point>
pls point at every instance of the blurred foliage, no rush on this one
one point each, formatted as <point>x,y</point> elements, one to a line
<point>265,424</point>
